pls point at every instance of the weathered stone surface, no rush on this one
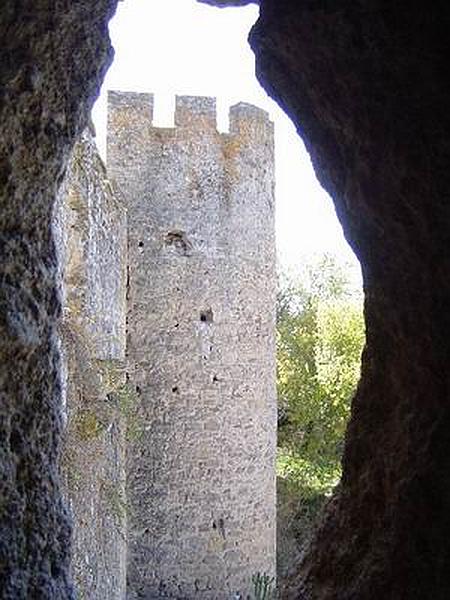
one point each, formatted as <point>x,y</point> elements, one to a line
<point>200,467</point>
<point>93,247</point>
<point>367,85</point>
<point>90,224</point>
<point>225,3</point>
<point>53,58</point>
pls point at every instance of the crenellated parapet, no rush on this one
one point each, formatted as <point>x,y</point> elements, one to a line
<point>136,107</point>
<point>130,116</point>
<point>130,119</point>
<point>195,112</point>
<point>223,166</point>
<point>250,123</point>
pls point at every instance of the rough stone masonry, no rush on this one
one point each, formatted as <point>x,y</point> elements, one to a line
<point>201,298</point>
<point>199,273</point>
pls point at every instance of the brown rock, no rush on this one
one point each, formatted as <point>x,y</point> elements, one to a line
<point>52,60</point>
<point>366,83</point>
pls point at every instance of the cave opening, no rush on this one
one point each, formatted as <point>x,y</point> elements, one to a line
<point>321,295</point>
<point>367,87</point>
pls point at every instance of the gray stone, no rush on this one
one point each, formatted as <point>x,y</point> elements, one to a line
<point>201,298</point>
<point>90,229</point>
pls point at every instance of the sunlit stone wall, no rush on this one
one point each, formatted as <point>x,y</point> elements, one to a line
<point>201,298</point>
<point>90,229</point>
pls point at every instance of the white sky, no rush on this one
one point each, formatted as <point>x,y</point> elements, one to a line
<point>180,46</point>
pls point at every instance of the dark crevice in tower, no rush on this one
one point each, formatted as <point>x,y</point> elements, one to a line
<point>179,241</point>
<point>207,316</point>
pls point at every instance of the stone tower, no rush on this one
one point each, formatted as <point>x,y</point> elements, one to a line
<point>201,299</point>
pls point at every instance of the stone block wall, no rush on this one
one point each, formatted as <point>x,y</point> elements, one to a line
<point>201,298</point>
<point>90,228</point>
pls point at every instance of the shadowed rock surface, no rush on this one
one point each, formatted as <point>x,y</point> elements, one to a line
<point>225,3</point>
<point>52,61</point>
<point>367,85</point>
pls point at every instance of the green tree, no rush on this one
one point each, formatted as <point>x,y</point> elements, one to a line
<point>320,335</point>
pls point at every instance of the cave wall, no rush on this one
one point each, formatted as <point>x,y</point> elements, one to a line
<point>366,84</point>
<point>52,61</point>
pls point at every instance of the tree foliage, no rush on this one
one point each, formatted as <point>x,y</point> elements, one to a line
<point>320,335</point>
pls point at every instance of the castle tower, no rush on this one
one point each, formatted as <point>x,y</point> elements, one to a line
<point>201,351</point>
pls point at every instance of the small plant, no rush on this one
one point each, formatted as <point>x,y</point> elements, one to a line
<point>262,586</point>
<point>88,424</point>
<point>122,393</point>
<point>114,495</point>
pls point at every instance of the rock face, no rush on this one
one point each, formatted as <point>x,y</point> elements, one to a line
<point>53,58</point>
<point>225,3</point>
<point>90,224</point>
<point>367,85</point>
<point>200,347</point>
